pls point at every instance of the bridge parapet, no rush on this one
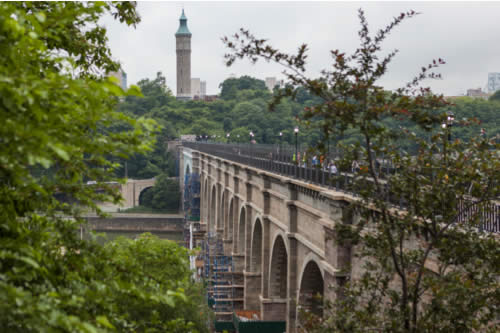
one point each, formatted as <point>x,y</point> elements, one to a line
<point>278,159</point>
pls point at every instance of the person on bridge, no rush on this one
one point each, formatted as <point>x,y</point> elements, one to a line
<point>355,166</point>
<point>315,161</point>
<point>333,168</point>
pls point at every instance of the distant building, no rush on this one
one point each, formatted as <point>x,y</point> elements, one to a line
<point>270,83</point>
<point>206,98</point>
<point>121,76</point>
<point>183,50</point>
<point>195,87</point>
<point>198,88</point>
<point>203,88</point>
<point>493,82</point>
<point>477,93</point>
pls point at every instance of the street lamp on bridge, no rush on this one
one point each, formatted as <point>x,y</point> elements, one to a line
<point>450,119</point>
<point>281,137</point>
<point>296,131</point>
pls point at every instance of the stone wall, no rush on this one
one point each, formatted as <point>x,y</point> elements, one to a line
<point>138,222</point>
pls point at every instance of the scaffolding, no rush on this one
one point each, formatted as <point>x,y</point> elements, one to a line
<point>224,285</point>
<point>191,200</point>
<point>192,197</point>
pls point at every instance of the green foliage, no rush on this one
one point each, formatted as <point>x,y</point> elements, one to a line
<point>164,195</point>
<point>495,96</point>
<point>240,112</point>
<point>160,296</point>
<point>247,109</point>
<point>417,269</point>
<point>230,88</point>
<point>59,129</point>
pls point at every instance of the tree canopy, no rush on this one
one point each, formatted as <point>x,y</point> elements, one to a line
<point>421,261</point>
<point>495,96</point>
<point>58,131</point>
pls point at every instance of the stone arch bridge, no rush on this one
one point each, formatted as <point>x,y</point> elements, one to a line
<point>132,190</point>
<point>278,231</point>
<point>277,227</point>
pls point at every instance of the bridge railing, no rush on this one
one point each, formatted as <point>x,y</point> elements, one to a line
<point>281,159</point>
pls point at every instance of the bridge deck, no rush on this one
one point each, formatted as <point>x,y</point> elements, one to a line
<point>279,160</point>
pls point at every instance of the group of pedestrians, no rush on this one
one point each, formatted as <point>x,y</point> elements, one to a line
<point>302,161</point>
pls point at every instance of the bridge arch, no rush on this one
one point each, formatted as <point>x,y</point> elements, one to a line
<point>256,250</point>
<point>187,166</point>
<point>213,210</point>
<point>141,194</point>
<point>230,219</point>
<point>278,283</point>
<point>220,219</point>
<point>205,200</point>
<point>240,245</point>
<point>133,188</point>
<point>311,290</point>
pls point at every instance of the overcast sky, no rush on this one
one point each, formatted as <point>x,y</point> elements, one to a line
<point>465,34</point>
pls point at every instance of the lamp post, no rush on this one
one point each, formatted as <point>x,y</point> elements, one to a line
<point>251,147</point>
<point>296,131</point>
<point>450,119</point>
<point>279,147</point>
<point>227,136</point>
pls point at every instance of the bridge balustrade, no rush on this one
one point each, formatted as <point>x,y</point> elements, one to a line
<point>281,159</point>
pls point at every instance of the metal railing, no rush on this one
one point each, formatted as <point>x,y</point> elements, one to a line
<point>282,159</point>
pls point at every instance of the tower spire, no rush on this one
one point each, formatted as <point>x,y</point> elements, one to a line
<point>183,28</point>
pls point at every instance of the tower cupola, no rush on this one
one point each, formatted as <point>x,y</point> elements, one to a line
<point>183,28</point>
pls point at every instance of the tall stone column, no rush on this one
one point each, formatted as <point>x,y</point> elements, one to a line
<point>183,50</point>
<point>292,286</point>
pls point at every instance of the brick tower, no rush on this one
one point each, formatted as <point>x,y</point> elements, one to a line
<point>183,48</point>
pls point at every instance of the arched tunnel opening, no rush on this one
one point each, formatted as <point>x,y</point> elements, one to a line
<point>279,269</point>
<point>146,197</point>
<point>311,290</point>
<point>256,262</point>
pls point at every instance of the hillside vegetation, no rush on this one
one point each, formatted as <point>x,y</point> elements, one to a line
<point>243,106</point>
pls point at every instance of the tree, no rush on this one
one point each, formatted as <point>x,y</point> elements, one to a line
<point>156,269</point>
<point>230,87</point>
<point>426,266</point>
<point>58,116</point>
<point>164,195</point>
<point>495,96</point>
